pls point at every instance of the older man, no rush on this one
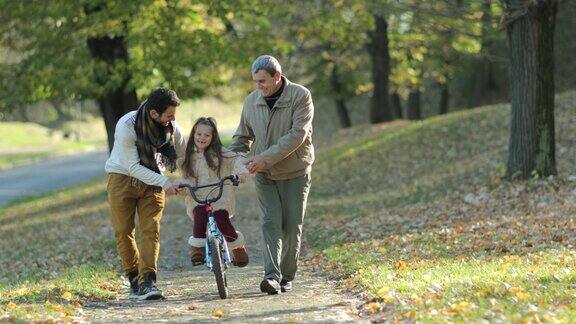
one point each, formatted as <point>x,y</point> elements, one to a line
<point>276,127</point>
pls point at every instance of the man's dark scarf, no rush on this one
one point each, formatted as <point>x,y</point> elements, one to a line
<point>150,134</point>
<point>271,100</point>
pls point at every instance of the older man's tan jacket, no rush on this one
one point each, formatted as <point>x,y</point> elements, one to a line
<point>281,135</point>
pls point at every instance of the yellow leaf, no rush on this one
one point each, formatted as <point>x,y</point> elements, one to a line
<point>460,307</point>
<point>505,267</point>
<point>386,294</point>
<point>67,295</point>
<point>416,299</point>
<point>410,314</point>
<point>389,298</point>
<point>20,291</point>
<point>11,305</point>
<point>401,265</point>
<point>382,250</point>
<point>485,292</point>
<point>217,313</point>
<point>522,295</point>
<point>383,292</point>
<point>373,307</point>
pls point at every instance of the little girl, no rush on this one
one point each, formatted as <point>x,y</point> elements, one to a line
<point>206,162</point>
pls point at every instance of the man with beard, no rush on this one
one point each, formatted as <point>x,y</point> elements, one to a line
<point>146,142</point>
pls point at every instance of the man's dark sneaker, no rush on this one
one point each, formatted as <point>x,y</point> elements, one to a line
<point>148,289</point>
<point>270,286</point>
<point>285,285</point>
<point>133,279</point>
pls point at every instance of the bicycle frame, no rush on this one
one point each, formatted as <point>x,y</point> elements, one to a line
<point>212,230</point>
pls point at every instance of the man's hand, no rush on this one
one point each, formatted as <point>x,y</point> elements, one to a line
<point>256,164</point>
<point>172,189</point>
<point>242,177</point>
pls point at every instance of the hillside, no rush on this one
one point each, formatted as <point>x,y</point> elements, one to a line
<point>416,218</point>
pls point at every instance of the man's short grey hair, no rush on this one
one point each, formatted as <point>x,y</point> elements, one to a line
<point>267,63</point>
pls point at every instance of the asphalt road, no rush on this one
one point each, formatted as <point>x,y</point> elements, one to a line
<point>58,173</point>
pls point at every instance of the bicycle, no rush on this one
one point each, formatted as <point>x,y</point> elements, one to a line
<point>217,254</point>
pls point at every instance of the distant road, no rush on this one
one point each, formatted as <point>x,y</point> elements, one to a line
<point>41,177</point>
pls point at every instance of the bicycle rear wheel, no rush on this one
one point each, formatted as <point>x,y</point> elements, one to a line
<point>218,267</point>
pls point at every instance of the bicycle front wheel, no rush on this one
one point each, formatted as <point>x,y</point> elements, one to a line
<point>218,267</point>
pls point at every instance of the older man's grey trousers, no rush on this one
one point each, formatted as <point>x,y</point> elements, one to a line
<point>283,205</point>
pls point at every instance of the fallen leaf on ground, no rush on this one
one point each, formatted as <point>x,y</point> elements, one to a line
<point>217,313</point>
<point>67,295</point>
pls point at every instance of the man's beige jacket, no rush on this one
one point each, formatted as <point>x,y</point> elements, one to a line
<point>281,135</point>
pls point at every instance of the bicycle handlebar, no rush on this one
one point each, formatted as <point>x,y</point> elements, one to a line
<point>219,184</point>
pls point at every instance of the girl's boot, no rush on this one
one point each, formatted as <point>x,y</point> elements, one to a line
<point>239,253</point>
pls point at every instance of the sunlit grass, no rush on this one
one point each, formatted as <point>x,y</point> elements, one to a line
<point>441,288</point>
<point>58,252</point>
<point>59,298</point>
<point>226,114</point>
<point>24,134</point>
<point>23,143</point>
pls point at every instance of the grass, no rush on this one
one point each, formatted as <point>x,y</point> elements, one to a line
<point>415,217</point>
<point>24,134</point>
<point>495,288</point>
<point>58,252</point>
<point>227,115</point>
<point>23,143</point>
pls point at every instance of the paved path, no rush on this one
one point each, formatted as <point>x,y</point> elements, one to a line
<point>49,175</point>
<point>191,293</point>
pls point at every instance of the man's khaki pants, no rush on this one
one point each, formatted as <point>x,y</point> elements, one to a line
<point>283,205</point>
<point>127,195</point>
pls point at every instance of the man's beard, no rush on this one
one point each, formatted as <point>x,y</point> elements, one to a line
<point>158,122</point>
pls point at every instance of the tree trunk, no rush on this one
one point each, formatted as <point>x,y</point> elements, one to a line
<point>444,99</point>
<point>414,112</point>
<point>531,41</point>
<point>339,98</point>
<point>116,102</point>
<point>61,114</point>
<point>121,98</point>
<point>487,47</point>
<point>484,85</point>
<point>397,104</point>
<point>378,48</point>
<point>22,114</point>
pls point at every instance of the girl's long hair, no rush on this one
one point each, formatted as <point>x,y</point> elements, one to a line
<point>212,154</point>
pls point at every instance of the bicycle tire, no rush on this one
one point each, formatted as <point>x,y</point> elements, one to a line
<point>218,267</point>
